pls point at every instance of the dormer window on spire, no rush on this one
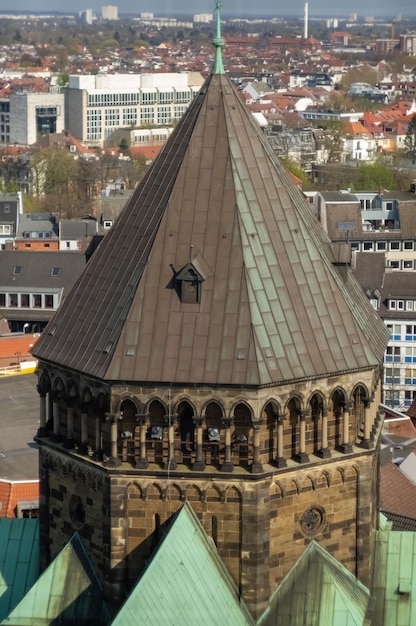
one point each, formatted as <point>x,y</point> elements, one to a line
<point>190,282</point>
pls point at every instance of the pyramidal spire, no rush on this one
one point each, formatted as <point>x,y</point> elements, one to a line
<point>218,42</point>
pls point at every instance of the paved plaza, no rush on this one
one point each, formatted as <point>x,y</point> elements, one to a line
<point>19,418</point>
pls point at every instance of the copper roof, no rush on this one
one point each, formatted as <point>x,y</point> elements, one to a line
<point>273,306</point>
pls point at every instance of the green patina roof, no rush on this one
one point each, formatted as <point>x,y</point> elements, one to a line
<point>218,42</point>
<point>394,583</point>
<point>68,591</point>
<point>19,560</point>
<point>185,583</point>
<point>318,591</point>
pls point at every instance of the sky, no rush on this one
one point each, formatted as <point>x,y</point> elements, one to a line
<point>241,8</point>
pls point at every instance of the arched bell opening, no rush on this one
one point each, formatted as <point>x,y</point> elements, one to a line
<point>242,435</point>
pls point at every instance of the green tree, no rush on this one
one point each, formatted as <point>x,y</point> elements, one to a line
<point>123,145</point>
<point>374,177</point>
<point>410,139</point>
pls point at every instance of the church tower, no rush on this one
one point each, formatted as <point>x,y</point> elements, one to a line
<point>213,351</point>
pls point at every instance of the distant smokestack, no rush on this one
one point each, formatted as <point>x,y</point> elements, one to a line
<point>305,30</point>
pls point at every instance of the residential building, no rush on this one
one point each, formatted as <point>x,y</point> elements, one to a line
<point>33,285</point>
<point>4,120</point>
<point>316,115</point>
<point>74,234</point>
<point>359,145</point>
<point>376,235</point>
<point>87,16</point>
<point>408,44</point>
<point>393,295</point>
<point>203,18</point>
<point>109,12</point>
<point>214,351</point>
<point>37,231</point>
<point>97,106</point>
<point>11,211</point>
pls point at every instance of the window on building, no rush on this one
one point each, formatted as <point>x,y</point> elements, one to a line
<point>5,229</point>
<point>408,265</point>
<point>55,272</point>
<point>17,270</point>
<point>381,246</point>
<point>13,300</point>
<point>48,301</point>
<point>164,115</point>
<point>147,115</point>
<point>410,354</point>
<point>395,331</point>
<point>392,397</point>
<point>368,246</point>
<point>394,245</point>
<point>393,354</point>
<point>395,265</point>
<point>409,376</point>
<point>24,300</point>
<point>37,301</point>
<point>408,245</point>
<point>2,299</point>
<point>409,396</point>
<point>392,375</point>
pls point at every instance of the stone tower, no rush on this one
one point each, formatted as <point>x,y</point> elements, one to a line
<point>212,351</point>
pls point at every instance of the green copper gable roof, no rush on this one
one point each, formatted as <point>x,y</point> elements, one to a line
<point>272,307</point>
<point>19,560</point>
<point>68,591</point>
<point>185,583</point>
<point>394,579</point>
<point>320,591</point>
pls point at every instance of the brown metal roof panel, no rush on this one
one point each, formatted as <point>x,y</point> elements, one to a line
<point>169,369</point>
<point>185,359</point>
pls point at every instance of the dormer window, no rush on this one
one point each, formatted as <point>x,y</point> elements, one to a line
<point>190,282</point>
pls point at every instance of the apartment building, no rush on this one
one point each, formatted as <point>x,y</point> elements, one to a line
<point>375,233</point>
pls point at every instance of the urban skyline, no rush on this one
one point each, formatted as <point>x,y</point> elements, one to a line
<point>230,7</point>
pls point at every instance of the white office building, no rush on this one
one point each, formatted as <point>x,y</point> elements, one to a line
<point>109,12</point>
<point>99,105</point>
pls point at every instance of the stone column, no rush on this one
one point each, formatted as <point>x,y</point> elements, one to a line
<point>55,411</point>
<point>199,464</point>
<point>256,467</point>
<point>69,441</point>
<point>346,447</point>
<point>280,461</point>
<point>227,466</point>
<point>99,452</point>
<point>366,442</point>
<point>114,460</point>
<point>324,452</point>
<point>302,457</point>
<point>142,462</point>
<point>42,430</point>
<point>83,447</point>
<point>171,464</point>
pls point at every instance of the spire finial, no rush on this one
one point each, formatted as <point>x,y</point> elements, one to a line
<point>218,42</point>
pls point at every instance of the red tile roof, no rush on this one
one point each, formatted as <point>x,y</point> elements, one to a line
<point>12,493</point>
<point>397,493</point>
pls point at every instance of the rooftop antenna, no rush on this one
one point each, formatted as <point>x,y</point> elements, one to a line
<point>218,42</point>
